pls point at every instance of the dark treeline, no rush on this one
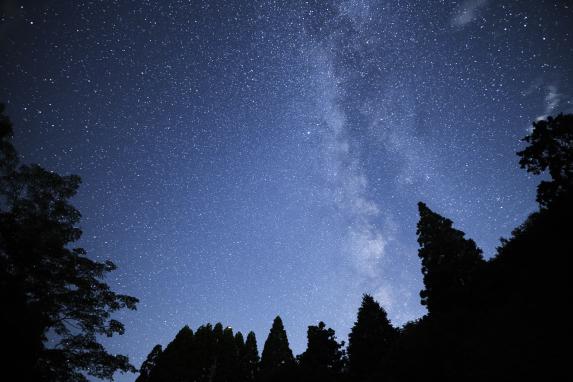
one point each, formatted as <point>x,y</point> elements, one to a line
<point>487,320</point>
<point>500,319</point>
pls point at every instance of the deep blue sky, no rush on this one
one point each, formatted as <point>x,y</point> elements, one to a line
<point>253,158</point>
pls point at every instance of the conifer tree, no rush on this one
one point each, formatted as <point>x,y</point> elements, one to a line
<point>449,261</point>
<point>250,357</point>
<point>240,343</point>
<point>149,364</point>
<point>276,351</point>
<point>370,341</point>
<point>227,358</point>
<point>174,363</point>
<point>242,365</point>
<point>204,353</point>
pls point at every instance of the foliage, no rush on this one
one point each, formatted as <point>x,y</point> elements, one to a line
<point>53,291</point>
<point>324,357</point>
<point>550,148</point>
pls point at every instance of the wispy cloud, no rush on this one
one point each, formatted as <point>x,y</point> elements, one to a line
<point>467,12</point>
<point>552,100</point>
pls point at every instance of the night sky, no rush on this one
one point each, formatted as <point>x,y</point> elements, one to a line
<point>243,159</point>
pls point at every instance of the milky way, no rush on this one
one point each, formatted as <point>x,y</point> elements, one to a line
<point>246,159</point>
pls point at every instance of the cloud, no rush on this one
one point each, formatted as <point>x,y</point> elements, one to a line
<point>552,101</point>
<point>467,12</point>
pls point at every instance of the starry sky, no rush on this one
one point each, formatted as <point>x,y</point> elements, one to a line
<point>243,159</point>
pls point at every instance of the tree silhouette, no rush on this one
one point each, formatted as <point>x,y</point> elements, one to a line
<point>370,341</point>
<point>277,358</point>
<point>323,358</point>
<point>149,364</point>
<point>174,362</point>
<point>228,358</point>
<point>240,343</point>
<point>449,261</point>
<point>210,354</point>
<point>49,287</point>
<point>529,275</point>
<point>550,148</point>
<point>250,357</point>
<point>204,356</point>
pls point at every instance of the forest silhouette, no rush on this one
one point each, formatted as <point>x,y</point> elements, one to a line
<point>497,319</point>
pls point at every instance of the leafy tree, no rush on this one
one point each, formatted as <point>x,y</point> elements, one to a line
<point>323,358</point>
<point>149,364</point>
<point>449,260</point>
<point>550,148</point>
<point>370,341</point>
<point>49,288</point>
<point>529,275</point>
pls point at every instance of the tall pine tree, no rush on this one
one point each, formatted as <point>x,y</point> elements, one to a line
<point>449,261</point>
<point>277,356</point>
<point>204,353</point>
<point>175,362</point>
<point>370,341</point>
<point>227,358</point>
<point>250,358</point>
<point>149,364</point>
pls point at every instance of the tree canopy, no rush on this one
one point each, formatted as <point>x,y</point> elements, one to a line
<point>53,290</point>
<point>324,357</point>
<point>550,148</point>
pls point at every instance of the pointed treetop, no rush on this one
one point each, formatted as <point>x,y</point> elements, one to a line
<point>185,331</point>
<point>276,352</point>
<point>240,341</point>
<point>448,260</point>
<point>251,350</point>
<point>149,363</point>
<point>370,339</point>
